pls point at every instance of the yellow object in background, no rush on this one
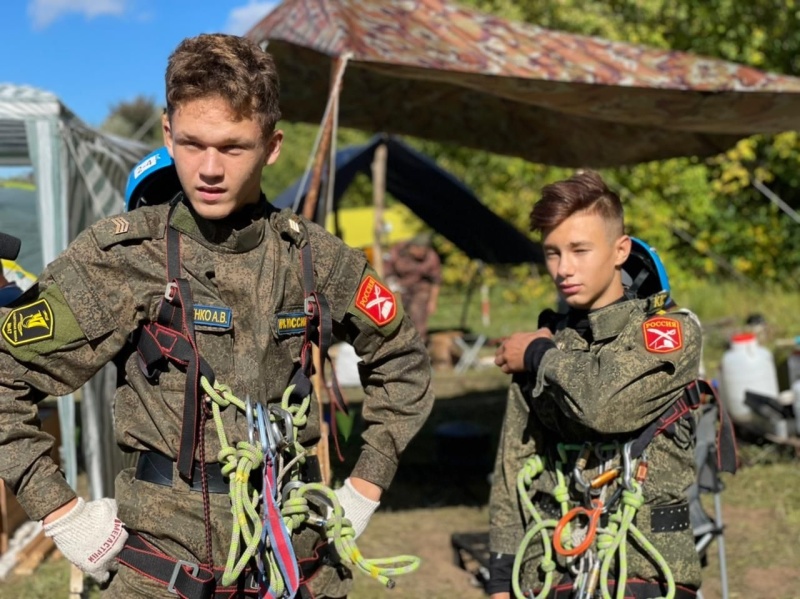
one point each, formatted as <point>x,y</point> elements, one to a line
<point>358,225</point>
<point>14,273</point>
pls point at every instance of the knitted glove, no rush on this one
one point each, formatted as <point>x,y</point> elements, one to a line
<point>357,508</point>
<point>90,536</point>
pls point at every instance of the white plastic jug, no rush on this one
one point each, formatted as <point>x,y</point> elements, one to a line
<point>746,366</point>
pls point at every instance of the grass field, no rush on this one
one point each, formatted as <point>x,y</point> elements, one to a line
<point>441,488</point>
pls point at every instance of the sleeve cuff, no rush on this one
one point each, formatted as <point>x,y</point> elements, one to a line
<point>501,569</point>
<point>41,497</point>
<point>535,352</point>
<point>374,467</point>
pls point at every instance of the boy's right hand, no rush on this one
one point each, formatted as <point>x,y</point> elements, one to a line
<point>90,536</point>
<point>510,356</point>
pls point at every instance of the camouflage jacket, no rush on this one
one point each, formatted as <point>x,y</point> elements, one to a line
<point>602,390</point>
<point>246,280</point>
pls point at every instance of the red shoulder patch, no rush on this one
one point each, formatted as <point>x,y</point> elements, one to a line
<point>662,335</point>
<point>376,301</point>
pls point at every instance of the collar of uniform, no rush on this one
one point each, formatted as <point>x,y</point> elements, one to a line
<point>240,232</point>
<point>609,321</point>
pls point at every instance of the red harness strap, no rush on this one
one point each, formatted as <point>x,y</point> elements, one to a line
<point>692,398</point>
<point>634,589</point>
<point>319,330</point>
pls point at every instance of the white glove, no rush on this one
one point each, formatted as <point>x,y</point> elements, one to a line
<point>357,508</point>
<point>90,536</point>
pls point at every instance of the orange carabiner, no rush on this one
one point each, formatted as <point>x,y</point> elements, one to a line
<point>592,514</point>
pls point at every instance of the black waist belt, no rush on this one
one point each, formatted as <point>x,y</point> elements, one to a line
<point>634,589</point>
<point>156,468</point>
<point>185,579</point>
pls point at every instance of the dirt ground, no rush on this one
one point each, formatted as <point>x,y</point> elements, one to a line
<point>437,494</point>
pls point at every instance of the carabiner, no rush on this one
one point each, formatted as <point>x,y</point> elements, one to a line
<point>592,514</point>
<point>251,425</point>
<point>580,465</point>
<point>627,466</point>
<point>268,444</point>
<point>287,434</point>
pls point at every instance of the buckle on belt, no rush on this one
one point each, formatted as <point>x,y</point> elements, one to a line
<point>309,305</point>
<point>170,291</point>
<point>178,567</point>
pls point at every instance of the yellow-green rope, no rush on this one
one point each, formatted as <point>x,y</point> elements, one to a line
<point>611,540</point>
<point>631,499</point>
<point>239,462</point>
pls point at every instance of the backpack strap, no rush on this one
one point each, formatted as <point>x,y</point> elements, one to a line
<point>319,323</point>
<point>172,339</point>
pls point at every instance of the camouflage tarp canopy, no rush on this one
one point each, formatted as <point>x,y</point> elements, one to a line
<point>440,71</point>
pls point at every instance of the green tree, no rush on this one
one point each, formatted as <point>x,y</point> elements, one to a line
<point>705,216</point>
<point>138,119</point>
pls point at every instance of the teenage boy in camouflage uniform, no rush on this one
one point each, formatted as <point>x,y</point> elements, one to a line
<point>241,260</point>
<point>599,374</point>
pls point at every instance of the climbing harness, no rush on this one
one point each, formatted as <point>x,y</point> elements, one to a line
<point>591,537</point>
<point>588,546</point>
<point>261,553</point>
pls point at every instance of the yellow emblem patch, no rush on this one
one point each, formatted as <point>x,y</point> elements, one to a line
<point>29,324</point>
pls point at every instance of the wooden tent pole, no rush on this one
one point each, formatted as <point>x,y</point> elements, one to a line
<point>310,212</point>
<point>378,197</point>
<point>310,205</point>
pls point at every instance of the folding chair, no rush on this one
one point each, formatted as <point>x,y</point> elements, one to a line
<point>707,528</point>
<point>471,553</point>
<point>470,346</point>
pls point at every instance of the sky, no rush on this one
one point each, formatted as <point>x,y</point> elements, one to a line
<point>94,54</point>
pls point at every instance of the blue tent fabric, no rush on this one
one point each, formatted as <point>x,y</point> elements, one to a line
<point>435,196</point>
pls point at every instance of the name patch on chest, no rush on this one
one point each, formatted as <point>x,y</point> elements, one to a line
<point>290,323</point>
<point>662,335</point>
<point>28,324</point>
<point>213,316</point>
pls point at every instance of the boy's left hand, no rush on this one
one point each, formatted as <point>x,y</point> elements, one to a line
<point>510,356</point>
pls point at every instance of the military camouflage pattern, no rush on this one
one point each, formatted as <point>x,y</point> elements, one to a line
<point>513,88</point>
<point>108,283</point>
<point>603,391</point>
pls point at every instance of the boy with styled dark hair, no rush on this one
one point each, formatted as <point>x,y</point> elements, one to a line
<point>587,494</point>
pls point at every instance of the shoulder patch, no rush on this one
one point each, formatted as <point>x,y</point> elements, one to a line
<point>28,324</point>
<point>290,225</point>
<point>662,334</point>
<point>131,226</point>
<point>44,324</point>
<point>375,301</point>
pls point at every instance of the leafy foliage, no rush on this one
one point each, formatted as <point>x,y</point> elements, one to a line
<point>706,217</point>
<point>137,119</point>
